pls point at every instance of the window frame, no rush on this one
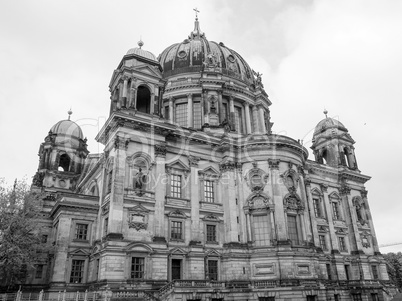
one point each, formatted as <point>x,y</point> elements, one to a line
<point>208,269</point>
<point>209,191</point>
<point>343,247</point>
<point>81,234</point>
<point>39,271</point>
<point>323,242</point>
<point>179,193</point>
<point>171,228</point>
<point>141,264</point>
<point>75,223</point>
<point>83,267</point>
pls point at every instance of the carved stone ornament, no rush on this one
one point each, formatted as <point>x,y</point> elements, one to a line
<point>256,178</point>
<point>121,143</point>
<point>160,150</point>
<point>324,187</point>
<point>273,164</point>
<point>291,179</point>
<point>344,190</point>
<point>322,229</point>
<point>38,179</point>
<point>193,161</point>
<point>227,166</point>
<point>341,231</point>
<point>364,193</point>
<point>293,202</point>
<point>365,237</point>
<point>138,218</point>
<point>258,202</point>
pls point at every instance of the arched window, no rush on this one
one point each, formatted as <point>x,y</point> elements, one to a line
<point>64,163</point>
<point>143,99</point>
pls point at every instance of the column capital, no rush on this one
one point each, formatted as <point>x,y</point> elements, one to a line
<point>189,95</point>
<point>160,150</point>
<point>193,161</point>
<point>273,164</point>
<point>364,193</point>
<point>324,187</point>
<point>121,143</point>
<point>344,190</point>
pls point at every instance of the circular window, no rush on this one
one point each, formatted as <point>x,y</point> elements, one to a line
<point>231,58</point>
<point>182,54</point>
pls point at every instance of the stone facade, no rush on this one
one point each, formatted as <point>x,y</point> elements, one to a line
<point>194,198</point>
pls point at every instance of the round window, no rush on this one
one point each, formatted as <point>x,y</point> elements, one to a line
<point>231,58</point>
<point>182,54</point>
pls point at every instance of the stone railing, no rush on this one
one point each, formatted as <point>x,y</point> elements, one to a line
<point>196,285</point>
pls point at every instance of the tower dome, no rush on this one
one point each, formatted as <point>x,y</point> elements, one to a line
<point>67,128</point>
<point>141,53</point>
<point>196,52</point>
<point>332,144</point>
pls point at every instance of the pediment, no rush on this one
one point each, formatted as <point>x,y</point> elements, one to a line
<point>138,208</point>
<point>178,251</point>
<point>316,191</point>
<point>209,170</point>
<point>177,214</point>
<point>79,252</point>
<point>139,247</point>
<point>213,253</point>
<point>178,164</point>
<point>211,218</point>
<point>146,69</point>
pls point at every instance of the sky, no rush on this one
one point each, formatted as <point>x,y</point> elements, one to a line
<point>343,56</point>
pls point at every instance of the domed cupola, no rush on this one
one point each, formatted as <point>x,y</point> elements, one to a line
<point>62,156</point>
<point>332,144</point>
<point>196,53</point>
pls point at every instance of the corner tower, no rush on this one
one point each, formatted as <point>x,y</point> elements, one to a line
<point>61,156</point>
<point>333,145</point>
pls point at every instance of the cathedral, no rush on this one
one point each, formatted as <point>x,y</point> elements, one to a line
<point>195,198</point>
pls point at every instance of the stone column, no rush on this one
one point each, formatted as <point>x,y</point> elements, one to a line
<point>124,98</point>
<point>313,219</point>
<point>272,220</point>
<point>255,119</point>
<point>229,202</point>
<point>280,219</point>
<point>370,221</point>
<point>262,119</point>
<point>248,122</point>
<point>332,235</point>
<point>152,103</point>
<point>115,226</point>
<point>220,104</point>
<point>190,112</point>
<point>160,190</point>
<point>61,263</point>
<point>135,93</point>
<point>195,198</point>
<point>231,114</point>
<point>171,106</point>
<point>351,220</point>
<point>119,97</point>
<point>306,214</point>
<point>132,94</point>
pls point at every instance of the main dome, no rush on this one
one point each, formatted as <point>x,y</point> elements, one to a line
<point>194,53</point>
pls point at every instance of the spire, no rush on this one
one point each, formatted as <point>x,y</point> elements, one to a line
<point>196,33</point>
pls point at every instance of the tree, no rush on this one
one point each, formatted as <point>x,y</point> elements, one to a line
<point>21,241</point>
<point>394,268</point>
